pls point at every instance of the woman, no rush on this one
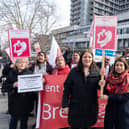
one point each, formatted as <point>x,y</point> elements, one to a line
<point>75,59</point>
<point>80,99</point>
<point>61,67</point>
<point>41,65</point>
<point>20,104</point>
<point>117,89</point>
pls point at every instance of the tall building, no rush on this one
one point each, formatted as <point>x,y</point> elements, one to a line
<point>82,11</point>
<point>123,5</point>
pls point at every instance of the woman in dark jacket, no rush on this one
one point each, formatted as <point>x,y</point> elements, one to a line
<point>80,99</point>
<point>20,104</point>
<point>117,90</point>
<point>41,65</point>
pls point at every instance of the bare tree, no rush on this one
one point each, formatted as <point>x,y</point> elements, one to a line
<point>36,15</point>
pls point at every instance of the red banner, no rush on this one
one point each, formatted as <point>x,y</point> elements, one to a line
<point>101,113</point>
<point>52,115</point>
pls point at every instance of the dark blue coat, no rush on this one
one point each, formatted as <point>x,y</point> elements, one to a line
<point>117,112</point>
<point>80,95</point>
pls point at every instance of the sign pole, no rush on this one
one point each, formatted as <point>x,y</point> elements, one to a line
<point>102,72</point>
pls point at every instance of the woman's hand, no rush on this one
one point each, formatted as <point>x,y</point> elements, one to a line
<point>104,97</point>
<point>15,84</point>
<point>102,83</point>
<point>66,110</point>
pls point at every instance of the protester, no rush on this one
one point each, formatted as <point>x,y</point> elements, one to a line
<point>75,59</point>
<point>7,68</point>
<point>4,76</point>
<point>68,56</point>
<point>107,66</point>
<point>61,67</point>
<point>80,99</point>
<point>117,94</point>
<point>20,104</point>
<point>40,66</point>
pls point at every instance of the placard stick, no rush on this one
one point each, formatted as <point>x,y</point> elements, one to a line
<point>102,72</point>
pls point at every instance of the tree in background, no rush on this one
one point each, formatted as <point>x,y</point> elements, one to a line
<point>36,15</point>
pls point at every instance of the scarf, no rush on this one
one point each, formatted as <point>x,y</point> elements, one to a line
<point>119,84</point>
<point>41,69</point>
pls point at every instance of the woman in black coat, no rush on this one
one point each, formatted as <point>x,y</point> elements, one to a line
<point>80,100</point>
<point>117,90</point>
<point>20,104</point>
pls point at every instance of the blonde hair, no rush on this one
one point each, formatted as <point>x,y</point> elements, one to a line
<point>22,59</point>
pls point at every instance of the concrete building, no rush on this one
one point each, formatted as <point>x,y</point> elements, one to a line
<point>82,12</point>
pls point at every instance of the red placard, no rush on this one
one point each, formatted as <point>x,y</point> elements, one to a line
<point>105,37</point>
<point>101,113</point>
<point>19,42</point>
<point>20,47</point>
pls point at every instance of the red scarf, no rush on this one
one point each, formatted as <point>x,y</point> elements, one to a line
<point>118,85</point>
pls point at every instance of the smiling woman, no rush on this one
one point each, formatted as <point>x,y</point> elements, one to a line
<point>117,93</point>
<point>16,100</point>
<point>80,93</point>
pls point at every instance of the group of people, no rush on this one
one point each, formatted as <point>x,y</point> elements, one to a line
<point>80,99</point>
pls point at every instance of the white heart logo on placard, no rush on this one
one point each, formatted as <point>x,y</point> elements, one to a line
<point>19,47</point>
<point>104,37</point>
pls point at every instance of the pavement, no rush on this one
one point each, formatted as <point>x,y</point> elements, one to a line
<point>4,118</point>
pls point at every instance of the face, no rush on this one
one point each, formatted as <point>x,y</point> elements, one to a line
<point>119,67</point>
<point>41,58</point>
<point>107,61</point>
<point>22,64</point>
<point>87,59</point>
<point>60,63</point>
<point>75,57</point>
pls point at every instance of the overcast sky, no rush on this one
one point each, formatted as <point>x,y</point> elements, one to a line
<point>62,11</point>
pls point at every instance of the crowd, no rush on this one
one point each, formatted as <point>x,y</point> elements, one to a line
<point>80,98</point>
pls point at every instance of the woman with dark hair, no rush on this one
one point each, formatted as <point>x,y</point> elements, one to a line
<point>41,65</point>
<point>80,100</point>
<point>117,94</point>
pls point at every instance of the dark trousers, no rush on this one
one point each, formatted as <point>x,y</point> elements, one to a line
<point>14,121</point>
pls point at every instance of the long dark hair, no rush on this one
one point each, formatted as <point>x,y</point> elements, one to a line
<point>80,66</point>
<point>37,62</point>
<point>123,60</point>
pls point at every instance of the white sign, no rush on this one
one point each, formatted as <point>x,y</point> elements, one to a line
<point>29,83</point>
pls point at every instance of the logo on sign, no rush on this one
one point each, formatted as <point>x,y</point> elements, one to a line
<point>19,47</point>
<point>104,37</point>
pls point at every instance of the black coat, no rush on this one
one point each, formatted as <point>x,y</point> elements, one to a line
<point>117,112</point>
<point>80,95</point>
<point>20,104</point>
